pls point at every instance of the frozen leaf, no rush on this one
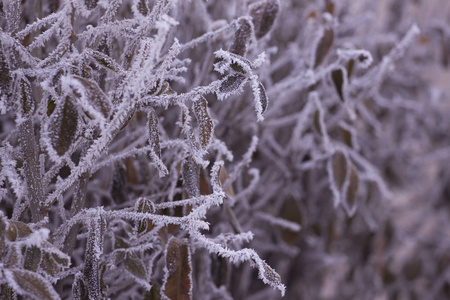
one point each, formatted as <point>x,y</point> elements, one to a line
<point>232,83</point>
<point>17,229</point>
<point>31,284</point>
<point>63,125</point>
<point>25,94</point>
<point>3,226</point>
<point>177,283</point>
<point>142,7</point>
<point>90,4</point>
<point>268,274</point>
<point>241,37</point>
<point>153,132</point>
<point>79,288</point>
<point>204,122</point>
<point>94,249</point>
<point>135,266</point>
<point>263,14</point>
<point>5,76</point>
<point>191,177</point>
<point>94,96</point>
<point>32,258</point>
<point>324,46</point>
<point>49,264</point>
<point>262,97</point>
<point>338,79</point>
<point>106,61</point>
<point>144,205</point>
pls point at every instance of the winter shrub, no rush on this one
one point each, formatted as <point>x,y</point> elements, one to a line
<point>163,149</point>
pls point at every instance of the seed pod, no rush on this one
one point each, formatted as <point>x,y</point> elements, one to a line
<point>241,37</point>
<point>263,14</point>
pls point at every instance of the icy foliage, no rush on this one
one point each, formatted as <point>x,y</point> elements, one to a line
<point>164,149</point>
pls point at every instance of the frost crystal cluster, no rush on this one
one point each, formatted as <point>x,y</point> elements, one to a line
<point>238,149</point>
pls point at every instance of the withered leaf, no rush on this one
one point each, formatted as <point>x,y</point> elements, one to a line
<point>241,37</point>
<point>263,14</point>
<point>338,80</point>
<point>178,284</point>
<point>63,125</point>
<point>324,46</point>
<point>204,122</point>
<point>231,83</point>
<point>153,132</point>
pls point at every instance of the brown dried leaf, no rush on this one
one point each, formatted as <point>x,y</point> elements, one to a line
<point>204,122</point>
<point>263,15</point>
<point>324,46</point>
<point>63,126</point>
<point>178,284</point>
